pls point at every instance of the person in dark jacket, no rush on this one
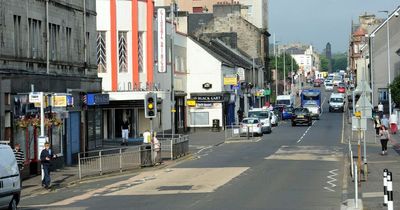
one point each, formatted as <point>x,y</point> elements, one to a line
<point>45,158</point>
<point>19,156</point>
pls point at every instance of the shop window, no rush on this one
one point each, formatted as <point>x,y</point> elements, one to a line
<point>199,118</point>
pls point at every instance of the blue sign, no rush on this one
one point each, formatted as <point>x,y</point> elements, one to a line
<point>97,99</point>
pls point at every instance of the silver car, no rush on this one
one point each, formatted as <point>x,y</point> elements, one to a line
<point>251,127</point>
<point>314,110</point>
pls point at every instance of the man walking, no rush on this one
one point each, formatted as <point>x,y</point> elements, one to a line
<point>125,132</point>
<point>380,109</point>
<point>19,155</point>
<point>45,158</point>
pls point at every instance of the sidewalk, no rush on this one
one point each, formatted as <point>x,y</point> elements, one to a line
<point>69,175</point>
<point>371,190</point>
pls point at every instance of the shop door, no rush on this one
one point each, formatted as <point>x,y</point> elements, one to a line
<point>73,137</point>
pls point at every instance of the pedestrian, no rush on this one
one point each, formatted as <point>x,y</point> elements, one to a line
<point>125,132</point>
<point>147,137</point>
<point>19,156</point>
<point>240,115</point>
<point>45,157</point>
<point>384,133</point>
<point>157,149</point>
<point>380,109</point>
<point>385,121</point>
<point>393,123</point>
<point>377,125</point>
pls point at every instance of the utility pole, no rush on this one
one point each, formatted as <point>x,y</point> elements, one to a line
<point>276,68</point>
<point>172,68</point>
<point>284,71</point>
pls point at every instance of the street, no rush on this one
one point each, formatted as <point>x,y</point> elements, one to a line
<point>291,168</point>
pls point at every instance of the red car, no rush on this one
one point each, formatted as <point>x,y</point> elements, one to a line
<point>341,89</point>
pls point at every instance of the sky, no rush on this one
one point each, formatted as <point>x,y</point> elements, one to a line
<point>318,22</point>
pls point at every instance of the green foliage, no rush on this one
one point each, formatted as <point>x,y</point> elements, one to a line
<point>324,63</point>
<point>395,90</point>
<point>339,61</point>
<point>288,64</point>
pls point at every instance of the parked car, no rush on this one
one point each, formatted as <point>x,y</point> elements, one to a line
<point>251,126</point>
<point>301,116</point>
<point>314,109</point>
<point>10,182</point>
<point>264,116</point>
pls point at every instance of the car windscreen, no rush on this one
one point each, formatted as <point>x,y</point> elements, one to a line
<point>250,121</point>
<point>330,85</point>
<point>338,100</point>
<point>300,111</point>
<point>258,114</point>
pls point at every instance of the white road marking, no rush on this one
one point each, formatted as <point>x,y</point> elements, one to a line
<point>372,194</point>
<point>305,132</point>
<point>332,179</point>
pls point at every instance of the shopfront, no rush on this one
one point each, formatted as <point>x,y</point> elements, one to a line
<point>208,107</point>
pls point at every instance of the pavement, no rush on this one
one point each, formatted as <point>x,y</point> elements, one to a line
<point>67,176</point>
<point>371,187</point>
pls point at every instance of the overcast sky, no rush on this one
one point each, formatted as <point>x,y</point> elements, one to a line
<point>317,22</point>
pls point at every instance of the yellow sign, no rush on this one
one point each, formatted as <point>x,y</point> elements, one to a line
<point>357,114</point>
<point>191,102</point>
<point>59,101</point>
<point>173,110</point>
<point>230,81</point>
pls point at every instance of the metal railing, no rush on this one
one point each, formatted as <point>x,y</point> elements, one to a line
<point>121,159</point>
<point>236,132</point>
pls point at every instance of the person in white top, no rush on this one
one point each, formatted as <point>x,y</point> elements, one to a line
<point>393,123</point>
<point>380,110</point>
<point>157,149</point>
<point>147,137</point>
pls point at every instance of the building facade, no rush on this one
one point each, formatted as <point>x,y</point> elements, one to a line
<point>54,54</point>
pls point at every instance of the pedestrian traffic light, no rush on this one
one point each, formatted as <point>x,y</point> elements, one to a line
<point>150,105</point>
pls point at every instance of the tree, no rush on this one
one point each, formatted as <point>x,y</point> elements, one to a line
<point>339,61</point>
<point>324,63</point>
<point>288,60</point>
<point>395,90</point>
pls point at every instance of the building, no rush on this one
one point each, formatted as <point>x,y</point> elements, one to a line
<point>379,61</point>
<point>63,66</point>
<point>254,11</point>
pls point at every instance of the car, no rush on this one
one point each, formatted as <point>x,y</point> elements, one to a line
<point>251,126</point>
<point>317,84</point>
<point>329,87</point>
<point>314,109</point>
<point>287,112</point>
<point>327,81</point>
<point>341,88</point>
<point>10,181</point>
<point>265,118</point>
<point>274,119</point>
<point>301,116</point>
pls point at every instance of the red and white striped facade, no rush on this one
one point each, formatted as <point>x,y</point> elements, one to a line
<point>127,47</point>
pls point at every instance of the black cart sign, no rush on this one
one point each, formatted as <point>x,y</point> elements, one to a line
<point>208,98</point>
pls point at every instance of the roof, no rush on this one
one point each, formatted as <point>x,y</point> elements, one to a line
<point>384,22</point>
<point>206,47</point>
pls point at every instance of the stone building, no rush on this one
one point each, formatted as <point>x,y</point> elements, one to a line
<point>69,68</point>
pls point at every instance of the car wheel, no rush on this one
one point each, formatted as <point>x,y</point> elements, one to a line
<point>293,124</point>
<point>310,123</point>
<point>13,204</point>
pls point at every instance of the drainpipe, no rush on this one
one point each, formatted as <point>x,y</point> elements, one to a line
<point>47,38</point>
<point>84,36</point>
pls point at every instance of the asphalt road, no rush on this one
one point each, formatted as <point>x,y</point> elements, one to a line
<point>292,168</point>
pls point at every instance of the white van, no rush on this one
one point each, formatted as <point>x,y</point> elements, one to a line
<point>10,183</point>
<point>336,102</point>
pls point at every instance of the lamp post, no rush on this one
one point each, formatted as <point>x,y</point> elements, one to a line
<point>284,71</point>
<point>276,67</point>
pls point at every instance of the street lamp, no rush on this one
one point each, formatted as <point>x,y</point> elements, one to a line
<point>284,71</point>
<point>276,67</point>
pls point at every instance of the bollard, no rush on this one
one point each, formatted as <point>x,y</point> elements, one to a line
<point>390,190</point>
<point>385,193</point>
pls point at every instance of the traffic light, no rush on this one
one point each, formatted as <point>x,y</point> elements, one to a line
<point>150,105</point>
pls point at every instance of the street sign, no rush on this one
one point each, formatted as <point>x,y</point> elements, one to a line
<point>35,97</point>
<point>191,102</point>
<point>358,124</point>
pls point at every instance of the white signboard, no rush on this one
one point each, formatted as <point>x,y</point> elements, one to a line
<point>35,97</point>
<point>162,64</point>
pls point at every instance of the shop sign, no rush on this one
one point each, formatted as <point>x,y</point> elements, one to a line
<point>230,80</point>
<point>191,102</point>
<point>59,101</point>
<point>98,99</point>
<point>204,105</point>
<point>208,98</point>
<point>162,64</point>
<point>241,74</point>
<point>207,86</point>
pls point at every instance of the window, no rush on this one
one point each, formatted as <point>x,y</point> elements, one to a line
<point>34,27</point>
<point>54,37</point>
<point>383,94</point>
<point>122,51</point>
<point>197,9</point>
<point>199,118</point>
<point>140,51</point>
<point>17,35</point>
<point>68,40</point>
<point>101,52</point>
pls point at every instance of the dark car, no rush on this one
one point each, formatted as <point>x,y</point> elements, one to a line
<point>301,116</point>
